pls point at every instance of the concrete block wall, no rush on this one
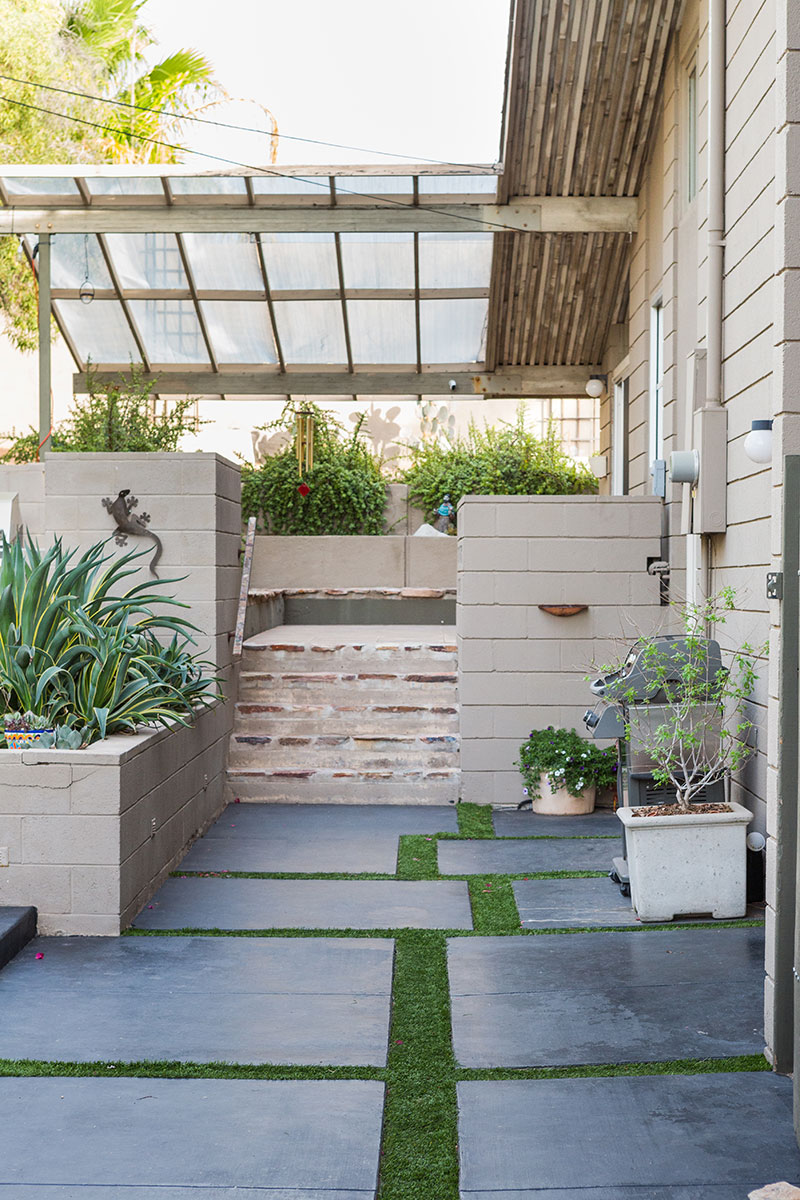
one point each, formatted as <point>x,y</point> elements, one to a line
<point>194,501</point>
<point>353,562</point>
<point>521,668</point>
<point>91,834</point>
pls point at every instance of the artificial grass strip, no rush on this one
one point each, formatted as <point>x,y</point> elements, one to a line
<point>474,820</point>
<point>682,1066</point>
<point>148,1069</point>
<point>416,857</point>
<point>494,909</point>
<point>419,1156</point>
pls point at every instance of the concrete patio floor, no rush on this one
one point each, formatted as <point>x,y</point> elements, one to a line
<point>621,1018</point>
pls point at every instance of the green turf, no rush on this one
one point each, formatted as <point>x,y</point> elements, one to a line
<point>474,820</point>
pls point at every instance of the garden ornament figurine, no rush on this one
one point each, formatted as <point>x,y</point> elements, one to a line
<point>444,516</point>
<point>132,523</point>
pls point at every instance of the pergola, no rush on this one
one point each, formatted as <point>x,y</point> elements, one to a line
<point>361,280</point>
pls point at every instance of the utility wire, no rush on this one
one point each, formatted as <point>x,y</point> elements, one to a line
<point>165,112</point>
<point>321,182</point>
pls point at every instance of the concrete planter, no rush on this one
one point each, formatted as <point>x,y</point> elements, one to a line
<point>88,835</point>
<point>559,802</point>
<point>687,863</point>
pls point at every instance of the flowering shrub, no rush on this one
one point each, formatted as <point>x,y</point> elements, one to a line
<point>567,759</point>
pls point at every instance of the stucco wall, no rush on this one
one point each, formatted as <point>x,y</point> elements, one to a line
<point>521,668</point>
<point>92,833</point>
<point>353,562</point>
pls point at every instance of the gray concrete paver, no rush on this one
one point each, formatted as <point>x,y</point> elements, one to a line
<point>519,857</point>
<point>559,1138</point>
<point>200,1134</point>
<point>307,1001</point>
<point>197,903</point>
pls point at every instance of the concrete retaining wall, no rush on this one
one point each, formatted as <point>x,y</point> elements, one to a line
<point>521,668</point>
<point>90,834</point>
<point>354,562</point>
<point>194,501</point>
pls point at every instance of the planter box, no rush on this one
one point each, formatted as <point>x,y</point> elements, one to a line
<point>561,803</point>
<point>90,834</point>
<point>687,863</point>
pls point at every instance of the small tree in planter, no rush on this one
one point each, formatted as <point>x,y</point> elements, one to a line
<point>686,857</point>
<point>699,731</point>
<point>562,771</point>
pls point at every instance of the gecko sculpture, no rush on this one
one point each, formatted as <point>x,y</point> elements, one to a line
<point>129,522</point>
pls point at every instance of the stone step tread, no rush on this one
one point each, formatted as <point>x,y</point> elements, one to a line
<point>17,928</point>
<point>334,677</point>
<point>326,741</point>
<point>332,637</point>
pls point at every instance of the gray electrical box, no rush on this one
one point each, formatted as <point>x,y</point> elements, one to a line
<point>710,500</point>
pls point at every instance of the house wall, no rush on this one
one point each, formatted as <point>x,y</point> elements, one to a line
<point>761,328</point>
<point>521,668</point>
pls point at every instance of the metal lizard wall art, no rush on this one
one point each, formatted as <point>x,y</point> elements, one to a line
<point>131,523</point>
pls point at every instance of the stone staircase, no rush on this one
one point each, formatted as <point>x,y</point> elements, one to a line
<point>347,714</point>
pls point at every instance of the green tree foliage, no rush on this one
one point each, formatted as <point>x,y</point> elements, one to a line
<point>496,461</point>
<point>347,490</point>
<point>91,48</point>
<point>118,417</point>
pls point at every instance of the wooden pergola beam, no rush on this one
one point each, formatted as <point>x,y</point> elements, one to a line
<point>530,381</point>
<point>537,214</point>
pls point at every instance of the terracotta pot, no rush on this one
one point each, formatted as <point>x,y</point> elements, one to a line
<point>561,803</point>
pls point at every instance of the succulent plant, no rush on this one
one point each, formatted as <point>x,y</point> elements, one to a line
<point>21,722</point>
<point>62,738</point>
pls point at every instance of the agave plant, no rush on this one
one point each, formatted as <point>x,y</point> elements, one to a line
<point>88,655</point>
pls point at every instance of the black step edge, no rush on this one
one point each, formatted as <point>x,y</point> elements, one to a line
<point>17,927</point>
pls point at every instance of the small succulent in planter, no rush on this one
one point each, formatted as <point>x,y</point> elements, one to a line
<point>567,761</point>
<point>24,729</point>
<point>63,738</point>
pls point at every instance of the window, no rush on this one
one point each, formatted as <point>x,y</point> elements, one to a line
<point>619,439</point>
<point>656,381</point>
<point>576,421</point>
<point>691,135</point>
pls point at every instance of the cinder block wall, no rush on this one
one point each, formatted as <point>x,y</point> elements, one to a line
<point>194,501</point>
<point>521,668</point>
<point>353,562</point>
<point>92,833</point>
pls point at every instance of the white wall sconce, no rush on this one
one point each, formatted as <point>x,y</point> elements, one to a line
<point>758,443</point>
<point>596,386</point>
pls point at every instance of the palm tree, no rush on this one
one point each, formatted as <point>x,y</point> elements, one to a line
<point>112,34</point>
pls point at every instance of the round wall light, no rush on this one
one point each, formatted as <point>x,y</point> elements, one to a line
<point>596,386</point>
<point>758,443</point>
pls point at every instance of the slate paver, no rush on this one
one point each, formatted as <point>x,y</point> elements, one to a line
<point>583,903</point>
<point>606,997</point>
<point>313,839</point>
<point>571,903</point>
<point>518,857</point>
<point>310,1138</point>
<point>308,1001</point>
<point>523,823</point>
<point>215,903</point>
<point>644,1136</point>
<point>17,927</point>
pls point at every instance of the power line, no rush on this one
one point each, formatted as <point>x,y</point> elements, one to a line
<point>165,112</point>
<point>321,182</point>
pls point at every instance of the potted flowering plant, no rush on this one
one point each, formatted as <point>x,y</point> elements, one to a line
<point>562,771</point>
<point>24,729</point>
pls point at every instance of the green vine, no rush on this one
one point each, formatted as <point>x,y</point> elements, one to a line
<point>504,461</point>
<point>347,491</point>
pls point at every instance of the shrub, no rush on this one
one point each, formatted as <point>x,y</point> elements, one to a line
<point>568,761</point>
<point>504,461</point>
<point>115,417</point>
<point>85,656</point>
<point>347,490</point>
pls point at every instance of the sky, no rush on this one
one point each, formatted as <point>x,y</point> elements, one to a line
<point>422,78</point>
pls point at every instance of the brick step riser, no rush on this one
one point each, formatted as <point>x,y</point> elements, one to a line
<point>349,660</point>
<point>315,790</point>
<point>356,756</point>
<point>390,689</point>
<point>272,719</point>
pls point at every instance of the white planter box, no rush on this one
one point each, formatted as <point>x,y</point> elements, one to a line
<point>560,802</point>
<point>687,863</point>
